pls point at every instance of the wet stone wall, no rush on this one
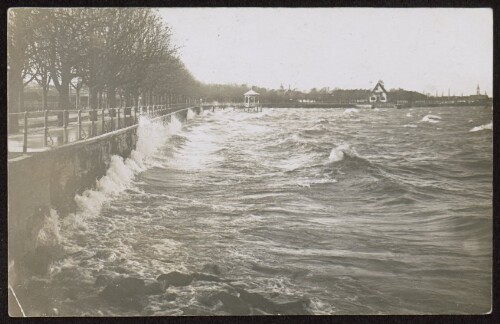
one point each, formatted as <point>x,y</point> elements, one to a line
<point>45,181</point>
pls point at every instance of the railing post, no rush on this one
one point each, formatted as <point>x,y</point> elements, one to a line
<point>65,126</point>
<point>45,127</point>
<point>118,116</point>
<point>102,121</point>
<point>112,122</point>
<point>25,135</point>
<point>79,124</point>
<point>135,114</point>
<point>93,114</point>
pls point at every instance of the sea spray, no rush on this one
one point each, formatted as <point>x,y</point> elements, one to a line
<point>49,234</point>
<point>190,114</point>
<point>151,135</point>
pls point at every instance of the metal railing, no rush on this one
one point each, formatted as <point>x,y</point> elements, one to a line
<point>50,128</point>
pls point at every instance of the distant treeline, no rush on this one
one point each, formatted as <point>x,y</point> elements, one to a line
<point>234,93</point>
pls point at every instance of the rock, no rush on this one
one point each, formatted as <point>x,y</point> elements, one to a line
<point>205,277</point>
<point>193,311</point>
<point>154,288</point>
<point>257,301</point>
<point>169,297</point>
<point>126,292</point>
<point>212,268</point>
<point>68,274</point>
<point>103,280</point>
<point>147,311</point>
<point>269,306</point>
<point>176,279</point>
<point>37,262</point>
<point>298,307</point>
<point>232,304</point>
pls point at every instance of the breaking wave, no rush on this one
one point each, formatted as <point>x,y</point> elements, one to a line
<point>488,126</point>
<point>431,119</point>
<point>121,172</point>
<point>338,153</point>
<point>351,111</point>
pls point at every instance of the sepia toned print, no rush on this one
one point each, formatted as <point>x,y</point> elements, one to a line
<point>249,161</point>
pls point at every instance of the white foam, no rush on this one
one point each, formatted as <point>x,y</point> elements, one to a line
<point>431,119</point>
<point>488,126</point>
<point>49,234</point>
<point>351,111</point>
<point>190,114</point>
<point>308,182</point>
<point>409,115</point>
<point>120,174</point>
<point>338,153</point>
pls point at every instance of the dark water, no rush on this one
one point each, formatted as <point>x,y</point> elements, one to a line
<point>333,211</point>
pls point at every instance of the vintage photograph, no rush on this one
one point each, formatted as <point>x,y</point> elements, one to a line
<point>249,161</point>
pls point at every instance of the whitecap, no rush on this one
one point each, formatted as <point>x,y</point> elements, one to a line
<point>308,183</point>
<point>431,119</point>
<point>338,153</point>
<point>488,126</point>
<point>351,111</point>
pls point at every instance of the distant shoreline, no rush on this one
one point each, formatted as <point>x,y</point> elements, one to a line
<point>361,106</point>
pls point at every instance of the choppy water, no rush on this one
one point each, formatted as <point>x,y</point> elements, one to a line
<point>341,211</point>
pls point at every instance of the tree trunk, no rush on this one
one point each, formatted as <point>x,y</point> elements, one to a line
<point>45,91</point>
<point>21,99</point>
<point>112,97</point>
<point>92,98</point>
<point>78,97</point>
<point>99,99</point>
<point>63,90</point>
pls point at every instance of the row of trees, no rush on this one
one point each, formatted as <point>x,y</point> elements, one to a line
<point>117,52</point>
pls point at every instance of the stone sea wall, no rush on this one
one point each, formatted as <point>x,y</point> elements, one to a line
<point>41,181</point>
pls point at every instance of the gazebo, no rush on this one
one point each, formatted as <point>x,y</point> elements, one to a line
<point>251,99</point>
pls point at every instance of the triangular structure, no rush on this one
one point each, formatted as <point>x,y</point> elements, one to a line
<point>379,94</point>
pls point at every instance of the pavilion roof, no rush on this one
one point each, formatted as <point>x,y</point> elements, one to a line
<point>251,93</point>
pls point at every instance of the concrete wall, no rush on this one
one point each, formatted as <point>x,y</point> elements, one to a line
<point>50,180</point>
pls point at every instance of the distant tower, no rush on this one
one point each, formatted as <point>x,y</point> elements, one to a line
<point>437,94</point>
<point>448,92</point>
<point>478,90</point>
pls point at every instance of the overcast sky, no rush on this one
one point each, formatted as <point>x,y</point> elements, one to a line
<point>417,49</point>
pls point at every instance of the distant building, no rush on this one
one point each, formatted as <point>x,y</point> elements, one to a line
<point>252,99</point>
<point>478,95</point>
